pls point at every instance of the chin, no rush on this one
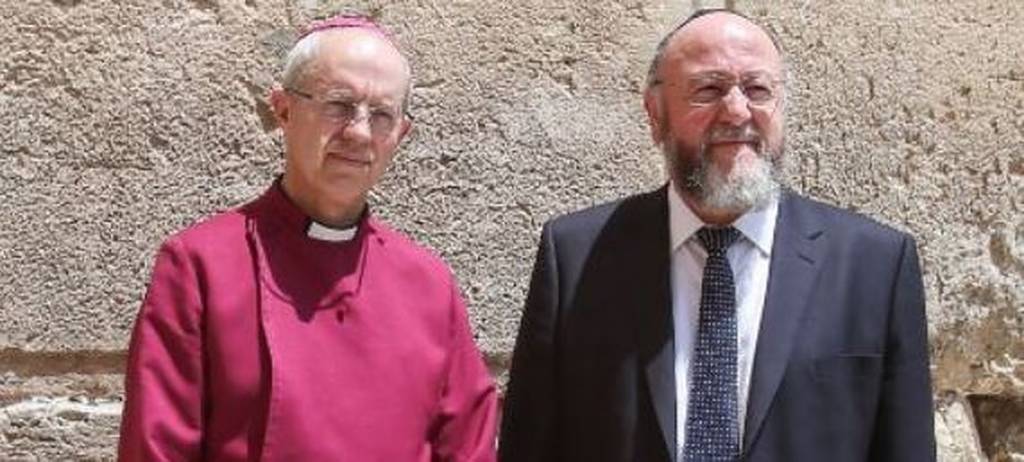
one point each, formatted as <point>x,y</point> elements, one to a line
<point>745,160</point>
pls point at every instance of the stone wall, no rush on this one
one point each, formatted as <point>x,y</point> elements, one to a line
<point>127,120</point>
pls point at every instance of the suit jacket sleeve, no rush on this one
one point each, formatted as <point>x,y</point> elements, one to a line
<point>469,402</point>
<point>163,412</point>
<point>904,428</point>
<point>530,409</point>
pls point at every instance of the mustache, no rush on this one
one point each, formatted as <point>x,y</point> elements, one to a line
<point>727,134</point>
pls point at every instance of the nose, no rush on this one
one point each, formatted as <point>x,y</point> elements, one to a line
<point>735,108</point>
<point>358,128</point>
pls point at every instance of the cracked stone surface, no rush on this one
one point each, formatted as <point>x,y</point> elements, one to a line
<point>955,433</point>
<point>1000,426</point>
<point>59,429</point>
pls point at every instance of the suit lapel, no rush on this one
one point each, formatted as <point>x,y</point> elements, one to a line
<point>659,368</point>
<point>651,290</point>
<point>796,259</point>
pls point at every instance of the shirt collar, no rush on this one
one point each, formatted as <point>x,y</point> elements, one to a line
<point>326,233</point>
<point>757,225</point>
<point>282,210</point>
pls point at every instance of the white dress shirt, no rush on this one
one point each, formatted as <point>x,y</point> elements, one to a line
<point>749,258</point>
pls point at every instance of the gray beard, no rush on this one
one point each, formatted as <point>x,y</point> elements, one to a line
<point>739,190</point>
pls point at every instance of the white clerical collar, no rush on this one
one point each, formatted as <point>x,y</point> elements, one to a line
<point>324,233</point>
<point>757,225</point>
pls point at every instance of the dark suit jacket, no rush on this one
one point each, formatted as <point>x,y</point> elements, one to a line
<point>841,367</point>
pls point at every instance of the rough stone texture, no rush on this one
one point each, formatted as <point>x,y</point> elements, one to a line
<point>15,388</point>
<point>1000,425</point>
<point>46,430</point>
<point>66,417</point>
<point>955,432</point>
<point>128,120</point>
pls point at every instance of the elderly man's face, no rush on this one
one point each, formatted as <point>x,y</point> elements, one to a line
<point>717,113</point>
<point>342,122</point>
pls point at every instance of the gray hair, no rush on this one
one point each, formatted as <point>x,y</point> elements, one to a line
<point>298,59</point>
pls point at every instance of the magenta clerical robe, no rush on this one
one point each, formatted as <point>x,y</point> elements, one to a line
<point>256,342</point>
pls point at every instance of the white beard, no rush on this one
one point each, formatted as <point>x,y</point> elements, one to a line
<point>750,184</point>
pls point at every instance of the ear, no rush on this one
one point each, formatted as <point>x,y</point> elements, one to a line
<point>404,128</point>
<point>652,104</point>
<point>280,103</point>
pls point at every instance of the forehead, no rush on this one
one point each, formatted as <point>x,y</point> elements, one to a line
<point>358,61</point>
<point>721,43</point>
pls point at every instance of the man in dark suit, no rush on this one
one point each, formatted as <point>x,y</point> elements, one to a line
<point>721,317</point>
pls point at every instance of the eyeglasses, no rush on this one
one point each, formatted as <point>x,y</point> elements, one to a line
<point>382,119</point>
<point>762,91</point>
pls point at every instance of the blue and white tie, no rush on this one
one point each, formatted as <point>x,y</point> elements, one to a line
<point>712,428</point>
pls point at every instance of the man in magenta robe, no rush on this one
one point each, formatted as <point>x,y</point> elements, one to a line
<point>298,327</point>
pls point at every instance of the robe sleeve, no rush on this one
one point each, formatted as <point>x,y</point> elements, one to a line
<point>163,416</point>
<point>468,409</point>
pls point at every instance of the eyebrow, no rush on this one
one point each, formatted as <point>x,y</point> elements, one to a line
<point>341,93</point>
<point>348,96</point>
<point>719,75</point>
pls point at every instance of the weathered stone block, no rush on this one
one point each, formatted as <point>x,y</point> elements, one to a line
<point>59,429</point>
<point>955,434</point>
<point>1000,425</point>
